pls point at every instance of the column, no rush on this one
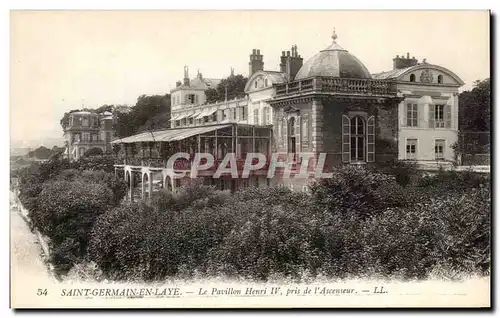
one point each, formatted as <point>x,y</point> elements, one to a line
<point>317,126</point>
<point>150,184</point>
<point>131,190</point>
<point>142,186</point>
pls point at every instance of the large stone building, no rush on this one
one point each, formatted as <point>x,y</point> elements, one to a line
<point>87,130</point>
<point>428,115</point>
<point>331,105</point>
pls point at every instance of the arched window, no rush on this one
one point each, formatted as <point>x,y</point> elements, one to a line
<point>440,79</point>
<point>255,84</point>
<point>412,78</point>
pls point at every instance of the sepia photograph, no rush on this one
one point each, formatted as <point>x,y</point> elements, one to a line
<point>250,159</point>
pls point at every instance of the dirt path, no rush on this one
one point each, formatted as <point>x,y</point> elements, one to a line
<point>27,268</point>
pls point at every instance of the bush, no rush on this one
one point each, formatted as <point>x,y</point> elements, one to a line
<point>66,212</point>
<point>146,243</point>
<point>116,185</point>
<point>95,151</point>
<point>274,239</point>
<point>96,163</point>
<point>357,190</point>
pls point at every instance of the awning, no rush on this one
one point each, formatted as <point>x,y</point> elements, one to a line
<point>183,116</point>
<point>206,113</point>
<point>169,134</point>
<point>174,118</point>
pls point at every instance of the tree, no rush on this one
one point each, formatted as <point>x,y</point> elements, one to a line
<point>150,112</point>
<point>211,95</point>
<point>40,153</point>
<point>474,119</point>
<point>235,85</point>
<point>475,107</point>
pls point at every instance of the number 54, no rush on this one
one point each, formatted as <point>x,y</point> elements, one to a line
<point>41,292</point>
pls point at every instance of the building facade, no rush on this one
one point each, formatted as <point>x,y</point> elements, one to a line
<point>428,115</point>
<point>88,130</point>
<point>329,106</point>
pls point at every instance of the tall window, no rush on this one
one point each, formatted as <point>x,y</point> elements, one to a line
<point>411,115</point>
<point>439,145</point>
<point>411,149</point>
<point>357,139</point>
<point>439,116</point>
<point>305,131</point>
<point>243,113</point>
<point>412,78</point>
<point>291,136</point>
<point>256,117</point>
<point>233,114</point>
<point>267,116</point>
<point>191,98</point>
<point>440,79</point>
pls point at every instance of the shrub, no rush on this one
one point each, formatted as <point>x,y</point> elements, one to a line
<point>95,163</point>
<point>273,239</point>
<point>95,151</point>
<point>135,241</point>
<point>116,185</point>
<point>192,195</point>
<point>356,190</point>
<point>65,213</point>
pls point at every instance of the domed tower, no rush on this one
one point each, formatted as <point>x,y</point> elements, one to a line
<point>334,61</point>
<point>334,106</point>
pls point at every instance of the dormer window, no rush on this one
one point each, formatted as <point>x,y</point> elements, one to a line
<point>255,83</point>
<point>412,78</point>
<point>440,79</point>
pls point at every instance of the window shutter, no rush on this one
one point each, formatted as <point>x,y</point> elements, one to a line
<point>421,119</point>
<point>431,115</point>
<point>370,125</point>
<point>305,130</point>
<point>285,135</point>
<point>346,139</point>
<point>405,115</point>
<point>298,133</point>
<point>447,115</point>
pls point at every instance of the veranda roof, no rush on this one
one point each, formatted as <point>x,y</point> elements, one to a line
<point>168,135</point>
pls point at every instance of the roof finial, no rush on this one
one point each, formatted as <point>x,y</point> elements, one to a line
<point>334,35</point>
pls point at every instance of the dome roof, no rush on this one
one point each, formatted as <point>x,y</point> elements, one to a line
<point>334,61</point>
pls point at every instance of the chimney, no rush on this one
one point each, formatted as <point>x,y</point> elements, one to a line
<point>186,76</point>
<point>283,62</point>
<point>256,62</point>
<point>291,64</point>
<point>400,62</point>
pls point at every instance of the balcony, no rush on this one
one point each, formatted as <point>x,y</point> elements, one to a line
<point>88,142</point>
<point>353,86</point>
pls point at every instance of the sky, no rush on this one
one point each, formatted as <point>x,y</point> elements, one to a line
<point>63,60</point>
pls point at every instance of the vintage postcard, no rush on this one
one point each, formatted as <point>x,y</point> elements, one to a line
<point>250,159</point>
